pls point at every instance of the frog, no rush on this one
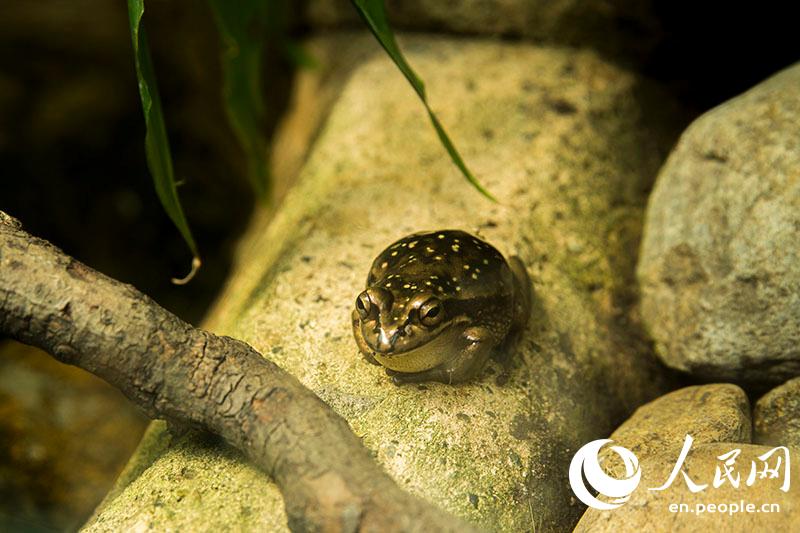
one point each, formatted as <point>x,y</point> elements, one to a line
<point>438,304</point>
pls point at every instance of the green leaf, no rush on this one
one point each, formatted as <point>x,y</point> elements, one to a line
<point>243,26</point>
<point>159,160</point>
<point>374,14</point>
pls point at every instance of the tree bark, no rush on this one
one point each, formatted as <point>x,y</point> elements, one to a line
<point>192,377</point>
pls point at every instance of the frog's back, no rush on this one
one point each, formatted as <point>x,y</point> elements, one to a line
<point>453,262</point>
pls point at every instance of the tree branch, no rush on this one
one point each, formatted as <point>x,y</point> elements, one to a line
<point>191,377</point>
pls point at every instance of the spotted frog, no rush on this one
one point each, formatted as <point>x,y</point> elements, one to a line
<point>437,304</point>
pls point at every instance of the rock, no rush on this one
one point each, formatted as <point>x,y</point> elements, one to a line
<point>664,510</point>
<point>627,28</point>
<point>720,261</point>
<point>709,413</point>
<point>314,91</point>
<point>776,417</point>
<point>568,145</point>
<point>196,484</point>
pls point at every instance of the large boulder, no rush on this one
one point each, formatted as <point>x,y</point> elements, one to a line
<point>569,144</point>
<point>720,261</point>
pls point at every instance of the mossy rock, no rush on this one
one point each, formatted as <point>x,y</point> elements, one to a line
<point>569,146</point>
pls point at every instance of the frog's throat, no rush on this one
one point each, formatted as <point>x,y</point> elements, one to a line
<point>443,347</point>
<point>459,323</point>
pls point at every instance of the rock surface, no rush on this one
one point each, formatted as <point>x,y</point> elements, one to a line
<point>776,417</point>
<point>720,261</point>
<point>190,484</point>
<point>566,142</point>
<point>709,413</point>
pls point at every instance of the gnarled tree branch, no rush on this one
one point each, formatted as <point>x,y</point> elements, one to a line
<point>189,376</point>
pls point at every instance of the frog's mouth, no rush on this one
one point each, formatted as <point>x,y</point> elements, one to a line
<point>436,348</point>
<point>402,341</point>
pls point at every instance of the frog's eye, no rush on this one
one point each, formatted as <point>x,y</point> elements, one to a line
<point>364,305</point>
<point>431,312</point>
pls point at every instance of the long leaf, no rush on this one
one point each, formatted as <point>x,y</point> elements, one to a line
<point>159,160</point>
<point>373,13</point>
<point>243,26</point>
